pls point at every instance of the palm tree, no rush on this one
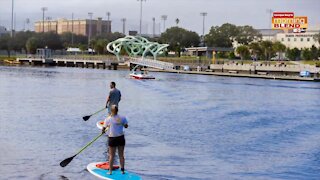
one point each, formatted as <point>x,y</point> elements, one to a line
<point>255,49</point>
<point>279,48</point>
<point>267,49</point>
<point>243,51</point>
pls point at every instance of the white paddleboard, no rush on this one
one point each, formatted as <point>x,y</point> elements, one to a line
<point>102,173</point>
<point>100,124</point>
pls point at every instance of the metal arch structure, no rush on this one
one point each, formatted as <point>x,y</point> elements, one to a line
<point>136,46</point>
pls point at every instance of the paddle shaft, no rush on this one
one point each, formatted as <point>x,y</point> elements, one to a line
<point>65,162</point>
<point>90,142</point>
<point>98,111</point>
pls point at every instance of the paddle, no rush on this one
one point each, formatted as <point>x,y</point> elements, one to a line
<point>85,118</point>
<point>68,160</point>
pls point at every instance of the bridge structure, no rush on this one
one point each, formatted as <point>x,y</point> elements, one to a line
<point>137,48</point>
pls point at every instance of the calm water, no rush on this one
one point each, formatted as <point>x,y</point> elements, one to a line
<point>181,126</point>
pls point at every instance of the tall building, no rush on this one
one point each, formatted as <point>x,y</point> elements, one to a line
<point>80,27</point>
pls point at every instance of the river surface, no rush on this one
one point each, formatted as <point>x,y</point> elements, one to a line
<point>180,126</point>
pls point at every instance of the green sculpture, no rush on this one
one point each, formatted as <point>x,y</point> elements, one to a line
<point>136,46</point>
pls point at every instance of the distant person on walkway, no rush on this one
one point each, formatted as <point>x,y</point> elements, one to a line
<point>114,97</point>
<point>116,138</point>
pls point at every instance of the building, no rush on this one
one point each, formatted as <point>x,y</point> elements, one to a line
<point>290,39</point>
<point>269,34</point>
<point>298,40</point>
<point>80,27</point>
<point>209,52</point>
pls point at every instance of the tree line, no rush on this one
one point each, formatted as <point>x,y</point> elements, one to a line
<point>265,50</point>
<point>247,40</point>
<point>30,41</point>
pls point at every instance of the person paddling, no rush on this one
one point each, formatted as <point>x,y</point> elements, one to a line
<point>114,97</point>
<point>116,139</point>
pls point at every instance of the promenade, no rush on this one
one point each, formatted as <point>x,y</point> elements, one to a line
<point>234,74</point>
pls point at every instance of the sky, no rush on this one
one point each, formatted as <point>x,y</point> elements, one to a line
<point>239,12</point>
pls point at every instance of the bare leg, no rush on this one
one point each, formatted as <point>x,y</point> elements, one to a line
<point>112,151</point>
<point>121,157</point>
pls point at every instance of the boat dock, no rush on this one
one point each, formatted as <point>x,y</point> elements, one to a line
<point>72,62</point>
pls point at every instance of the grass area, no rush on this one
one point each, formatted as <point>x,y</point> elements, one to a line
<point>310,62</point>
<point>220,61</point>
<point>89,56</point>
<point>189,58</point>
<point>4,57</point>
<point>5,60</point>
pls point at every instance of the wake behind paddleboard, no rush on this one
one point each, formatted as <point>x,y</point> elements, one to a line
<point>100,170</point>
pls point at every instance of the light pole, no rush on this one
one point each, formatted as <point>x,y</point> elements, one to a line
<point>203,14</point>
<point>72,30</point>
<point>123,25</point>
<point>15,22</point>
<point>43,9</point>
<point>270,11</point>
<point>141,15</point>
<point>177,21</point>
<point>164,18</point>
<point>89,35</point>
<point>27,22</point>
<point>154,26</point>
<point>108,25</point>
<point>12,6</point>
<point>49,23</point>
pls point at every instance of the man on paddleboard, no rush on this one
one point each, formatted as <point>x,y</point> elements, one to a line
<point>114,97</point>
<point>116,138</point>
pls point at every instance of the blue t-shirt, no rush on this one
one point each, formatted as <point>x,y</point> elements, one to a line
<point>114,97</point>
<point>116,124</point>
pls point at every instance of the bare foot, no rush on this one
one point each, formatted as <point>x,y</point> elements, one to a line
<point>110,172</point>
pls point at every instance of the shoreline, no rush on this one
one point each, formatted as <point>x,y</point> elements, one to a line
<point>275,77</point>
<point>124,67</point>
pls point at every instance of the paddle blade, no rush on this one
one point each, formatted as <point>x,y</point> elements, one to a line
<point>85,118</point>
<point>65,162</point>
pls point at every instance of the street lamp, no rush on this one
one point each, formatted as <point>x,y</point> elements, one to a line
<point>108,15</point>
<point>154,26</point>
<point>270,11</point>
<point>108,27</point>
<point>27,22</point>
<point>203,14</point>
<point>12,6</point>
<point>49,23</point>
<point>164,18</point>
<point>72,29</point>
<point>123,25</point>
<point>141,15</point>
<point>43,9</point>
<point>89,35</point>
<point>177,21</point>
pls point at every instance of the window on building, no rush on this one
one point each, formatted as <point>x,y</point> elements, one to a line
<point>295,39</point>
<point>308,39</point>
<point>288,39</point>
<point>301,39</point>
<point>282,39</point>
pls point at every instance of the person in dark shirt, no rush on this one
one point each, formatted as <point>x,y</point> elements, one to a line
<point>114,97</point>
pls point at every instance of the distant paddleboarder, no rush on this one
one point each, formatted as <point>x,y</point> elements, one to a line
<point>114,97</point>
<point>116,138</point>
